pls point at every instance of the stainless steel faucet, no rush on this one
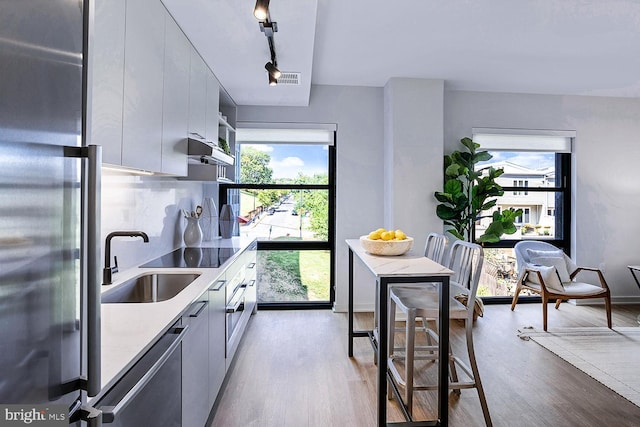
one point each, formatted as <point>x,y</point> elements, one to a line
<point>107,272</point>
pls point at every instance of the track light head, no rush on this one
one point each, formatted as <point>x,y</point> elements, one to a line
<point>261,11</point>
<point>273,70</point>
<point>272,80</point>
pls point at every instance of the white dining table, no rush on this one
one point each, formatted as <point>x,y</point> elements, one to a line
<point>388,271</point>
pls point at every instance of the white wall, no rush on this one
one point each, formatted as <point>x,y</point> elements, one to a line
<point>606,176</point>
<point>413,150</point>
<point>149,204</point>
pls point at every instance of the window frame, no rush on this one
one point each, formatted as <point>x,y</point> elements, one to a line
<point>563,185</point>
<point>284,245</point>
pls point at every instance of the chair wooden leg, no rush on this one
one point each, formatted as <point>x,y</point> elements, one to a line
<point>409,354</point>
<point>558,302</point>
<point>607,305</point>
<point>476,376</point>
<point>515,297</point>
<point>545,301</point>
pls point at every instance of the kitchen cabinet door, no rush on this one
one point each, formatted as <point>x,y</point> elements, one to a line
<point>217,340</point>
<point>213,102</point>
<point>143,85</point>
<point>251,277</point>
<point>175,109</point>
<point>195,366</point>
<point>197,95</point>
<point>108,79</point>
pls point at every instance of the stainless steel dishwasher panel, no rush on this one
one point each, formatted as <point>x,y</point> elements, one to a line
<point>150,394</point>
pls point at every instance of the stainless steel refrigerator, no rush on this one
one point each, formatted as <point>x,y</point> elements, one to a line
<point>49,210</point>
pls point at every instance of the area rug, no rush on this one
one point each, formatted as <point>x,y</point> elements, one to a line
<point>610,356</point>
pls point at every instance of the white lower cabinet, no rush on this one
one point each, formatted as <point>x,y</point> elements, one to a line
<point>195,365</point>
<point>210,345</point>
<point>217,366</point>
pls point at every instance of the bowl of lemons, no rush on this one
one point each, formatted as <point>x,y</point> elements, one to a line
<point>386,242</point>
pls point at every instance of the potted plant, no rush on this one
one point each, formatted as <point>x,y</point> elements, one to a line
<point>224,145</point>
<point>469,192</point>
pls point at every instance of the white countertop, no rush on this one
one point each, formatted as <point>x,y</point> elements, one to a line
<point>129,329</point>
<point>409,264</point>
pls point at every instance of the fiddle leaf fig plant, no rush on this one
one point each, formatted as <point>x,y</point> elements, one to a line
<point>469,192</point>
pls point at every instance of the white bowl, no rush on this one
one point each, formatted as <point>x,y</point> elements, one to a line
<point>386,247</point>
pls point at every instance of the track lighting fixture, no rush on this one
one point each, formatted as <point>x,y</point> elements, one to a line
<point>273,70</point>
<point>269,28</point>
<point>261,11</point>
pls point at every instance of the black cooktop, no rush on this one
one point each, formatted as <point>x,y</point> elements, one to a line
<point>193,257</point>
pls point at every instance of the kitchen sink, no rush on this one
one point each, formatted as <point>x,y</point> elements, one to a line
<point>153,287</point>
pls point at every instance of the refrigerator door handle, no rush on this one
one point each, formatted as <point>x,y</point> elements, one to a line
<point>91,179</point>
<point>92,217</point>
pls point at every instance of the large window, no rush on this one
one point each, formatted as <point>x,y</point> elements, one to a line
<point>284,197</point>
<point>536,179</point>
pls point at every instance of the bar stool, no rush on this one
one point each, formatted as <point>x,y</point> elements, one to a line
<point>465,260</point>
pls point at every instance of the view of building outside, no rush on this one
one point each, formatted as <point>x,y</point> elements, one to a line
<point>522,171</point>
<point>287,214</point>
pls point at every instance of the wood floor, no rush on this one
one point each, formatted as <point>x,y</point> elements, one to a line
<point>292,369</point>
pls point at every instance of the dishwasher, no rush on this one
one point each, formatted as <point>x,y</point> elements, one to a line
<point>150,393</point>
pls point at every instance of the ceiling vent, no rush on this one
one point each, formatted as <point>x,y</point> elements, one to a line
<point>289,79</point>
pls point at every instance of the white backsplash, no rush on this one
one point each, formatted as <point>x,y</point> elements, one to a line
<point>150,204</point>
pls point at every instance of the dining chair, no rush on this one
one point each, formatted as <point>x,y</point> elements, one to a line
<point>546,270</point>
<point>465,260</point>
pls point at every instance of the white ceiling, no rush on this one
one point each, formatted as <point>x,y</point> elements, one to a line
<point>584,47</point>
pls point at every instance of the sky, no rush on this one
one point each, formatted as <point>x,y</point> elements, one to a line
<point>532,160</point>
<point>287,160</point>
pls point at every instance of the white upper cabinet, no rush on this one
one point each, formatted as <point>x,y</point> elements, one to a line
<point>197,96</point>
<point>175,105</point>
<point>108,79</point>
<point>143,85</point>
<point>213,102</point>
<point>151,90</point>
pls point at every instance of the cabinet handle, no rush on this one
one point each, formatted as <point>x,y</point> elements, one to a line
<point>220,284</point>
<point>251,265</point>
<point>238,298</point>
<point>197,135</point>
<point>252,283</point>
<point>197,313</point>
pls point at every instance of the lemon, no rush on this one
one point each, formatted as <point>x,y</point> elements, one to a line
<point>400,235</point>
<point>374,235</point>
<point>381,230</point>
<point>386,236</point>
